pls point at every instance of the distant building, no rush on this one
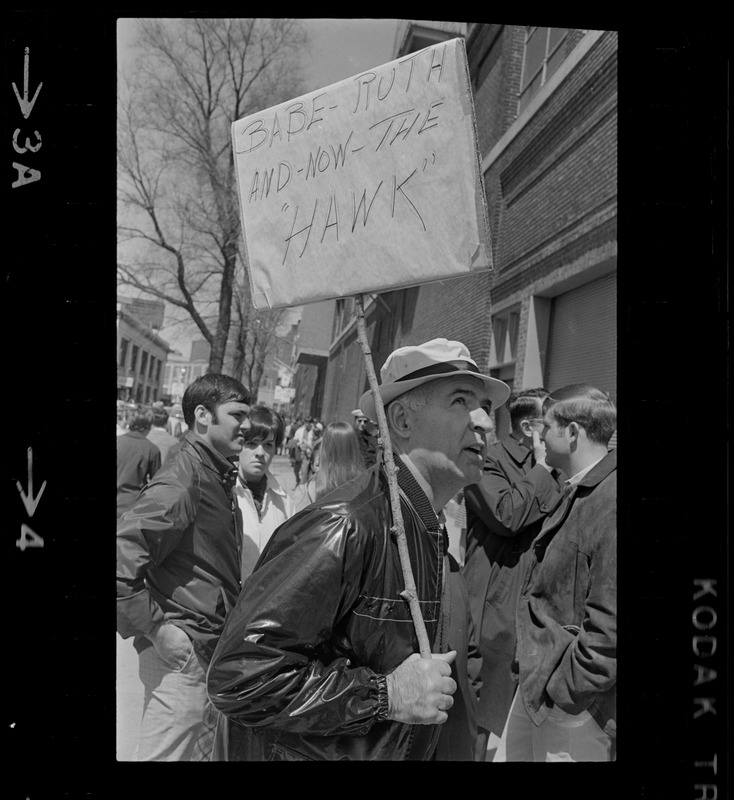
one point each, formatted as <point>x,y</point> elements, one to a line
<point>141,353</point>
<point>276,384</point>
<point>182,369</point>
<point>313,338</point>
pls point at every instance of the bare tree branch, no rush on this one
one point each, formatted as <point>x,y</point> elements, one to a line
<point>179,223</point>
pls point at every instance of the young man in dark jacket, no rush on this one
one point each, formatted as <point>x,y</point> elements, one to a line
<point>319,659</point>
<point>138,460</point>
<point>564,709</point>
<point>505,511</point>
<point>178,571</point>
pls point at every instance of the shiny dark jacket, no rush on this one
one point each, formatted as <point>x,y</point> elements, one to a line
<point>319,620</point>
<point>178,549</point>
<point>504,512</point>
<point>567,613</point>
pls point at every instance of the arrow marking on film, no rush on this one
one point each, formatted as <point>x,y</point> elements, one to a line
<point>29,501</point>
<point>25,106</point>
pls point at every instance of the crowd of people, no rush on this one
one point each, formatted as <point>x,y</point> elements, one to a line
<point>272,625</point>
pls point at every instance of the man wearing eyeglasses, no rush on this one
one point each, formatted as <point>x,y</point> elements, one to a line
<point>504,514</point>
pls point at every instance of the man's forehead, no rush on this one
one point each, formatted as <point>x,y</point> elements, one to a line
<point>469,385</point>
<point>233,406</point>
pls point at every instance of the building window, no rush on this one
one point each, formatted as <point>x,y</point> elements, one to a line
<point>343,315</point>
<point>124,344</point>
<point>152,367</point>
<point>143,362</point>
<point>134,361</point>
<point>505,327</point>
<point>545,49</point>
<point>158,371</point>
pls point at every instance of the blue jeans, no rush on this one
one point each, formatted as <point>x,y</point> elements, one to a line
<point>178,721</point>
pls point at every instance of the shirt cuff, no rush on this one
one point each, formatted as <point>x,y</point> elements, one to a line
<point>382,699</point>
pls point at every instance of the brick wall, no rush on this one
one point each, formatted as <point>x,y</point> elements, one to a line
<point>552,204</point>
<point>561,168</point>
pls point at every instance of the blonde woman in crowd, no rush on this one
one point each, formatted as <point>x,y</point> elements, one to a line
<point>337,458</point>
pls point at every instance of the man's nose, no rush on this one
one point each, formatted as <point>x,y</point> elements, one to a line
<point>481,420</point>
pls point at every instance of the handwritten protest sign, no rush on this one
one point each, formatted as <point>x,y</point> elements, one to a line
<point>369,184</point>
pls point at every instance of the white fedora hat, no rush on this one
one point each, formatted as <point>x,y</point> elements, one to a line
<point>408,367</point>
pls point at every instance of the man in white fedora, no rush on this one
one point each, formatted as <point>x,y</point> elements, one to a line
<point>319,659</point>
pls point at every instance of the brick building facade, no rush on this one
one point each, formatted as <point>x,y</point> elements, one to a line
<point>141,353</point>
<point>546,112</point>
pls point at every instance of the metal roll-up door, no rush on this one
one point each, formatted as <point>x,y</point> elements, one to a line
<point>582,342</point>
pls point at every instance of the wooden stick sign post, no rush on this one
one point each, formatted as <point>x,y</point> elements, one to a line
<point>370,184</point>
<point>409,593</point>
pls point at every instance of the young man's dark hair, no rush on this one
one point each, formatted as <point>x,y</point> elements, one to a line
<point>210,391</point>
<point>263,421</point>
<point>524,404</point>
<point>139,422</point>
<point>586,405</point>
<point>158,417</point>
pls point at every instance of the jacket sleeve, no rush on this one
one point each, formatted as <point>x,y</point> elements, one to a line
<point>146,534</point>
<point>154,463</point>
<point>474,659</point>
<point>589,664</point>
<point>273,667</point>
<point>505,507</point>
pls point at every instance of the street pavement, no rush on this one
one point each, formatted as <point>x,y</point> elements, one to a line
<point>129,687</point>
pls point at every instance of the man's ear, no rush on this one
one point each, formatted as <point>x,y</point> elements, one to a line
<point>525,427</point>
<point>574,431</point>
<point>398,419</point>
<point>202,415</point>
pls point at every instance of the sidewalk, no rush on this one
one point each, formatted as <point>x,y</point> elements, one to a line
<point>129,699</point>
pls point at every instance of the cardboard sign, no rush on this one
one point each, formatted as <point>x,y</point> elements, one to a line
<point>370,184</point>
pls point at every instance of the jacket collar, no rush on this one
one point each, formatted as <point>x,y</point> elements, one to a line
<point>600,470</point>
<point>212,458</point>
<point>515,450</point>
<point>272,484</point>
<point>415,494</point>
<point>137,434</point>
<point>592,478</point>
